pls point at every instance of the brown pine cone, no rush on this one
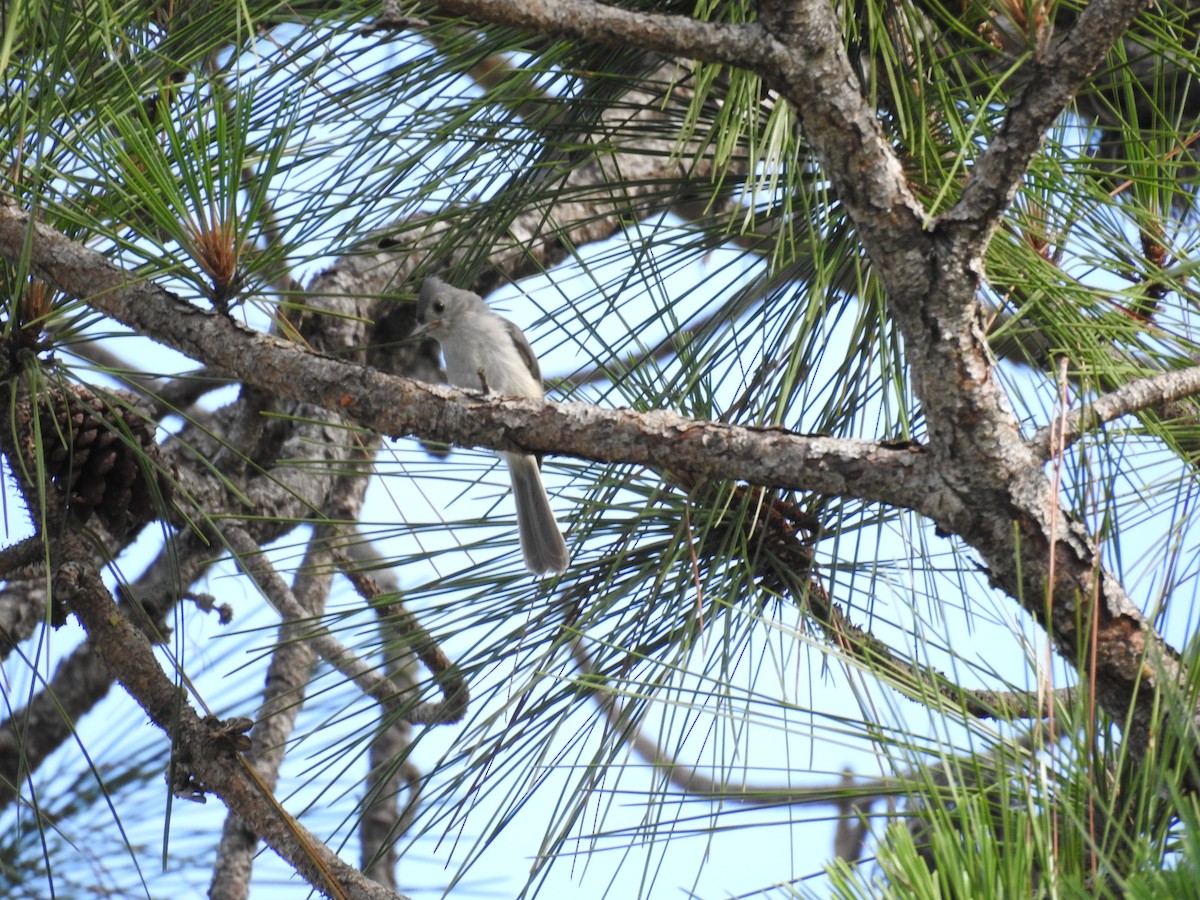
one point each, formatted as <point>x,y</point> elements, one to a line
<point>98,448</point>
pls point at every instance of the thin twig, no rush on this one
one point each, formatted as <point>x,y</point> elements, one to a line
<point>253,561</point>
<point>408,629</point>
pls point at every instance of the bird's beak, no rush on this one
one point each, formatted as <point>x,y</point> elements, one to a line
<point>427,329</point>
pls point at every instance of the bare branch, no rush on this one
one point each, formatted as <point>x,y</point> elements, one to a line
<point>250,557</point>
<point>692,782</point>
<point>870,470</point>
<point>204,756</point>
<point>748,46</point>
<point>283,696</point>
<point>1131,397</point>
<point>407,630</point>
<point>1050,84</point>
<point>393,775</point>
<point>393,786</point>
<point>862,791</point>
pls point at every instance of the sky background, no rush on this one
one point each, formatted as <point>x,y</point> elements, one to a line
<point>801,710</point>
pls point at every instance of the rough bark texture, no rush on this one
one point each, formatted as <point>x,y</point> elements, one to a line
<point>337,366</point>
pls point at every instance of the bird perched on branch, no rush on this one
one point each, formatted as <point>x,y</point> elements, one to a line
<point>486,352</point>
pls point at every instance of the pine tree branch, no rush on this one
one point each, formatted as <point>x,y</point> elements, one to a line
<point>288,674</point>
<point>892,473</point>
<point>1050,85</point>
<point>1131,397</point>
<point>740,45</point>
<point>250,557</point>
<point>996,495</point>
<point>691,781</point>
<point>205,757</point>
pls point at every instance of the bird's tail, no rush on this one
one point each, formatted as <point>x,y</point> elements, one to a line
<point>541,542</point>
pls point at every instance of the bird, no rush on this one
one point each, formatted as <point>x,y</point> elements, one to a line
<point>486,352</point>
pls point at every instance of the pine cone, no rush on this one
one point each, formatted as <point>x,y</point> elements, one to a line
<point>98,448</point>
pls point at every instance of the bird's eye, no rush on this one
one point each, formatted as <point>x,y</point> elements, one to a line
<point>439,307</point>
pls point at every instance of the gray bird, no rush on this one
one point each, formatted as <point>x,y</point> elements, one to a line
<point>486,352</point>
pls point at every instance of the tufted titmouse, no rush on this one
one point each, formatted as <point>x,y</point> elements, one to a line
<point>489,353</point>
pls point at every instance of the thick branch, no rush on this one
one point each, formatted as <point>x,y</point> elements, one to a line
<point>868,470</point>
<point>746,46</point>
